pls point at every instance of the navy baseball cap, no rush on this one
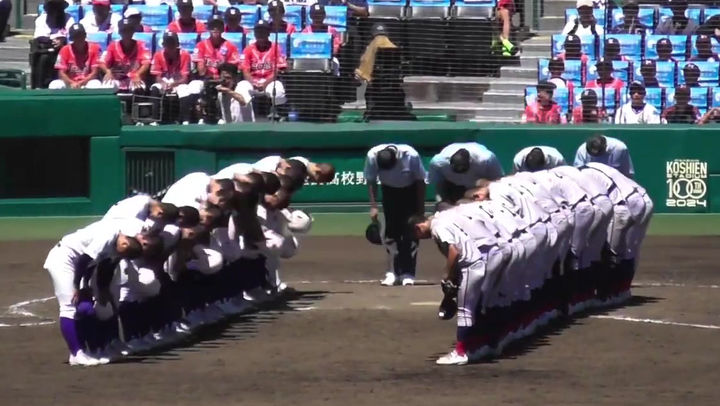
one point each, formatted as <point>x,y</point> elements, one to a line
<point>232,12</point>
<point>276,5</point>
<point>317,8</point>
<point>588,96</point>
<point>171,36</point>
<point>262,24</point>
<point>75,30</point>
<point>184,3</point>
<point>636,87</point>
<point>126,24</point>
<point>216,21</point>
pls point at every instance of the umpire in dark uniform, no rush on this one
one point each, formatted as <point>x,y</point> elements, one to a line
<point>402,177</point>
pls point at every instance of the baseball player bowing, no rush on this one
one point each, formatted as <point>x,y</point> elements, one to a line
<point>473,253</point>
<point>458,166</point>
<point>535,158</point>
<point>69,265</point>
<point>607,150</point>
<point>316,172</point>
<point>402,179</point>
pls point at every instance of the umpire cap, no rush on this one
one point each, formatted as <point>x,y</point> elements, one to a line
<point>372,233</point>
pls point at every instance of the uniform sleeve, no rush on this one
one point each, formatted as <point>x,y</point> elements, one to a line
<point>184,62</point>
<point>418,168</point>
<point>247,59</point>
<point>626,164</point>
<point>41,27</point>
<point>370,172</point>
<point>653,116</point>
<point>518,160</point>
<point>443,232</point>
<point>156,68</point>
<point>580,156</point>
<point>558,157</point>
<point>94,55</point>
<point>62,59</point>
<point>569,26</point>
<point>233,54</point>
<point>101,242</point>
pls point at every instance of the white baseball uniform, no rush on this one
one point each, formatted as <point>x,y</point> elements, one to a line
<point>270,163</point>
<point>553,158</point>
<point>279,241</point>
<point>190,190</point>
<point>229,172</point>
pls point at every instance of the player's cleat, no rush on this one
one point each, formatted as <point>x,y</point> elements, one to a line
<point>390,279</point>
<point>82,359</point>
<point>452,358</point>
<point>117,348</point>
<point>138,345</point>
<point>408,280</point>
<point>257,295</point>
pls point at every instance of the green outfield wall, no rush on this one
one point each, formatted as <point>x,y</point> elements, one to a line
<point>65,153</point>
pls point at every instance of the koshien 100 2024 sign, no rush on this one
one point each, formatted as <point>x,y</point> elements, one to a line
<point>686,183</point>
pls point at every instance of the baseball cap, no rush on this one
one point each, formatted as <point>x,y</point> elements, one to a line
<point>605,63</point>
<point>125,24</point>
<point>588,96</point>
<point>584,3</point>
<point>276,5</point>
<point>317,8</point>
<point>691,67</point>
<point>572,39</point>
<point>682,90</point>
<point>636,87</point>
<point>232,12</point>
<point>546,86</point>
<point>100,2</point>
<point>76,29</point>
<point>216,21</point>
<point>184,3</point>
<point>170,36</point>
<point>612,41</point>
<point>632,4</point>
<point>262,24</point>
<point>132,11</point>
<point>379,29</point>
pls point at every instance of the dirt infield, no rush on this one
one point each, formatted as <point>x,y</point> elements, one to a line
<point>340,340</point>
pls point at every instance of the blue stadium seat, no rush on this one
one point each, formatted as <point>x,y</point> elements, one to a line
<point>473,9</point>
<point>691,13</point>
<point>588,44</point>
<point>428,9</point>
<point>156,17</point>
<point>679,43</point>
<point>597,12</point>
<point>250,14</point>
<point>147,38</point>
<point>573,71</point>
<point>114,8</point>
<point>609,102</point>
<point>560,96</point>
<point>188,41</point>
<point>621,70</point>
<point>282,39</point>
<point>665,73</point>
<point>293,14</point>
<point>201,12</point>
<point>387,9</point>
<point>710,12</point>
<point>709,72</point>
<point>693,49</point>
<point>236,38</point>
<point>630,45</point>
<point>698,97</point>
<point>654,96</point>
<point>100,38</point>
<point>74,10</point>
<point>715,97</point>
<point>311,46</point>
<point>645,15</point>
<point>335,16</point>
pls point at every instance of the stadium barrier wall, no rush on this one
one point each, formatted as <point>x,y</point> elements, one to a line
<point>61,154</point>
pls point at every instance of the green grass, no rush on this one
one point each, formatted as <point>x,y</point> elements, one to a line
<point>330,224</point>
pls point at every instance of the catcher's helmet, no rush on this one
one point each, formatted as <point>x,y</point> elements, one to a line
<point>372,233</point>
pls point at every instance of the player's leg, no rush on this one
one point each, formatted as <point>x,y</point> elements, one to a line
<point>393,214</point>
<point>57,84</point>
<point>276,91</point>
<point>579,281</point>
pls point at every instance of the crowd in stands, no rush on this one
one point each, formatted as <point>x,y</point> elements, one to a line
<point>634,64</point>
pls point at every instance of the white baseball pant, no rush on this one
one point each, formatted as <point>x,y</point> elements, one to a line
<point>478,284</point>
<point>584,216</point>
<point>60,264</point>
<point>603,215</point>
<point>58,84</point>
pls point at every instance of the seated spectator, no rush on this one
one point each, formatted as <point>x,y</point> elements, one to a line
<point>234,99</point>
<point>262,61</point>
<point>356,8</point>
<point>711,27</point>
<point>544,110</point>
<point>135,17</point>
<point>612,50</point>
<point>126,61</point>
<point>691,72</point>
<point>213,52</point>
<point>186,22</point>
<point>557,68</point>
<point>664,50</point>
<point>504,12</point>
<point>584,23</point>
<point>636,111</point>
<point>317,16</point>
<point>682,112</point>
<point>233,20</point>
<point>588,111</point>
<point>605,77</point>
<point>631,23</point>
<point>171,69</point>
<point>77,63</point>
<point>678,24</point>
<point>276,10</point>
<point>711,117</point>
<point>573,50</point>
<point>51,30</point>
<point>648,70</point>
<point>705,51</point>
<point>100,19</point>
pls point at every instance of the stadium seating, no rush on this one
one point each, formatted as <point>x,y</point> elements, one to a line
<point>708,73</point>
<point>693,49</point>
<point>589,45</point>
<point>114,8</point>
<point>282,40</point>
<point>630,45</point>
<point>335,16</point>
<point>74,10</point>
<point>645,15</point>
<point>715,98</point>
<point>607,99</point>
<point>691,13</point>
<point>599,14</point>
<point>665,73</point>
<point>621,70</point>
<point>250,14</point>
<point>200,12</point>
<point>147,38</point>
<point>653,96</point>
<point>100,38</point>
<point>573,71</point>
<point>698,98</point>
<point>679,43</point>
<point>237,39</point>
<point>188,41</point>
<point>156,17</point>
<point>293,14</point>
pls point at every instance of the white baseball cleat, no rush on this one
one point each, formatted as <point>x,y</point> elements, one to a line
<point>82,359</point>
<point>181,328</point>
<point>408,280</point>
<point>452,358</point>
<point>390,279</point>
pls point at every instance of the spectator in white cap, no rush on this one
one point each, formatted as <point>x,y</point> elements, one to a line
<point>135,17</point>
<point>584,23</point>
<point>636,111</point>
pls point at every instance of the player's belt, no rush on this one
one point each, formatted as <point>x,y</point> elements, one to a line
<point>584,199</point>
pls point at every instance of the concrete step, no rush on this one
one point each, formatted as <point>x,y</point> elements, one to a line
<point>28,22</point>
<point>537,47</point>
<point>500,110</point>
<point>444,89</point>
<point>538,39</point>
<point>552,23</point>
<point>503,97</point>
<point>512,84</point>
<point>537,54</point>
<point>495,119</point>
<point>557,7</point>
<point>529,61</point>
<point>518,72</point>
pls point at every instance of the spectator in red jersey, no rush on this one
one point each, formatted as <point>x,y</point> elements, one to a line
<point>317,16</point>
<point>262,60</point>
<point>233,20</point>
<point>171,69</point>
<point>186,22</point>
<point>682,112</point>
<point>214,51</point>
<point>664,50</point>
<point>135,17</point>
<point>573,50</point>
<point>276,10</point>
<point>544,110</point>
<point>77,62</point>
<point>691,72</point>
<point>648,70</point>
<point>705,51</point>
<point>126,61</point>
<point>588,111</point>
<point>605,78</point>
<point>612,50</point>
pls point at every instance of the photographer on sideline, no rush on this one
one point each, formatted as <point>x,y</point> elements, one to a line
<point>234,107</point>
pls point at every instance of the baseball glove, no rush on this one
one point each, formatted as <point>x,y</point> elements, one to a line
<point>448,306</point>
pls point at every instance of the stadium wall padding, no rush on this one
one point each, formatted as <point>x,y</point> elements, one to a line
<point>677,164</point>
